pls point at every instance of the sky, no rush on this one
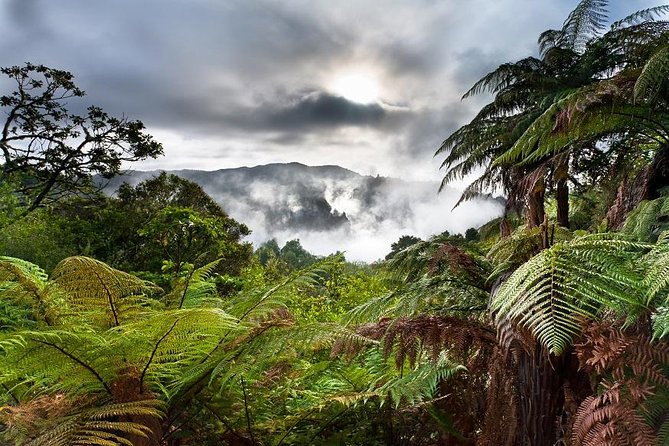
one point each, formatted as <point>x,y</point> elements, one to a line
<point>370,85</point>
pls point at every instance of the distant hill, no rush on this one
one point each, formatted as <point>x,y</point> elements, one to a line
<point>327,203</point>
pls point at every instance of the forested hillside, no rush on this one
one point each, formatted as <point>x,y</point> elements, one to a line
<point>146,318</point>
<point>330,208</point>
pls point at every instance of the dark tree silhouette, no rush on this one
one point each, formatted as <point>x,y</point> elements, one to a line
<point>47,152</point>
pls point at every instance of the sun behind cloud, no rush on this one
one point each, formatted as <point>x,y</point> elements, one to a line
<point>356,87</point>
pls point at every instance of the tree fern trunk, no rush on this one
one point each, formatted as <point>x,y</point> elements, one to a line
<point>541,399</point>
<point>645,186</point>
<point>535,204</point>
<point>126,388</point>
<point>504,227</point>
<point>562,192</point>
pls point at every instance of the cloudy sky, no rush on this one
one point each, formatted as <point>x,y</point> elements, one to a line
<point>370,85</point>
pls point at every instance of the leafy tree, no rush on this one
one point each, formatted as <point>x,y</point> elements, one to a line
<point>404,242</point>
<point>49,152</point>
<point>165,218</point>
<point>296,256</point>
<point>472,235</point>
<point>267,251</point>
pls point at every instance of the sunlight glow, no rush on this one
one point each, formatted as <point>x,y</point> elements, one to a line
<point>356,87</point>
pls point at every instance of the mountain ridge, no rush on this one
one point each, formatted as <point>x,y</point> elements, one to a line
<point>320,203</point>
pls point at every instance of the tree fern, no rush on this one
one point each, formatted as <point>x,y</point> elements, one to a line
<point>653,76</point>
<point>105,295</point>
<point>555,291</point>
<point>586,21</point>
<point>94,426</point>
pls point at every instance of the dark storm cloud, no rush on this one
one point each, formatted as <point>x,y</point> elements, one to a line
<point>290,116</point>
<point>254,75</point>
<point>325,110</point>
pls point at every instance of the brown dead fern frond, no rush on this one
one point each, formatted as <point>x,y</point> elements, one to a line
<point>456,260</point>
<point>407,336</point>
<point>630,369</point>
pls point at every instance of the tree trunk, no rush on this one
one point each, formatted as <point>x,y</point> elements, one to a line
<point>535,204</point>
<point>504,227</point>
<point>541,398</point>
<point>561,176</point>
<point>645,186</point>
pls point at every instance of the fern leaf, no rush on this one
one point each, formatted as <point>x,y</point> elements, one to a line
<point>643,15</point>
<point>556,290</point>
<point>654,74</point>
<point>106,295</point>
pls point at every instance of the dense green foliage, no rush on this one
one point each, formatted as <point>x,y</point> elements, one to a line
<point>144,319</point>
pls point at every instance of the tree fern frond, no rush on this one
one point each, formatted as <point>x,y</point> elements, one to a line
<point>555,291</point>
<point>503,76</point>
<point>510,252</point>
<point>24,282</point>
<point>654,75</point>
<point>192,289</point>
<point>419,384</point>
<point>648,219</point>
<point>91,426</point>
<point>587,20</point>
<point>58,360</point>
<point>163,345</point>
<point>549,39</point>
<point>642,15</point>
<point>106,295</point>
<point>660,320</point>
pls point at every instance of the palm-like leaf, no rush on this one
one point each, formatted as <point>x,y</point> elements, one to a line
<point>641,16</point>
<point>25,283</point>
<point>106,295</point>
<point>584,22</point>
<point>554,292</point>
<point>653,77</point>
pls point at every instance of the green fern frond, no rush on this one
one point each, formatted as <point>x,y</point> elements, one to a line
<point>165,344</point>
<point>586,21</point>
<point>105,295</point>
<point>548,40</point>
<point>660,320</point>
<point>510,252</point>
<point>58,360</point>
<point>555,291</point>
<point>24,283</point>
<point>642,15</point>
<point>419,384</point>
<point>656,279</point>
<point>654,75</point>
<point>504,76</point>
<point>648,219</point>
<point>194,288</point>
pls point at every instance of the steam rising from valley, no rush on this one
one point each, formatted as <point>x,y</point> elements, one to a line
<point>330,209</point>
